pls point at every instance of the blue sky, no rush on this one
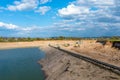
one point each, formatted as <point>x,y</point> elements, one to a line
<point>48,18</point>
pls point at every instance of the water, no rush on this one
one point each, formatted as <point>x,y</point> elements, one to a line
<point>21,64</point>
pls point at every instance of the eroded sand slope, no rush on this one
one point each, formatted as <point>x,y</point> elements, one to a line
<point>61,66</point>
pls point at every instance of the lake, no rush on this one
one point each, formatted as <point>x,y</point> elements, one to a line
<point>21,64</point>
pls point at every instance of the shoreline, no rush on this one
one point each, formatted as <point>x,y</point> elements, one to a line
<point>19,47</point>
<point>58,65</point>
<point>7,45</point>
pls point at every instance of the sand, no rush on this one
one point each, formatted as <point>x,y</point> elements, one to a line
<point>9,45</point>
<point>58,65</point>
<point>104,53</point>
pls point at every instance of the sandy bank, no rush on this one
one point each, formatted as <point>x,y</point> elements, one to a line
<point>9,45</point>
<point>61,66</point>
<point>104,53</point>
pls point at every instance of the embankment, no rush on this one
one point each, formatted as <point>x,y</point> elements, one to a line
<point>60,66</point>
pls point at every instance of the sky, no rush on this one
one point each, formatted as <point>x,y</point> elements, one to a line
<point>51,18</point>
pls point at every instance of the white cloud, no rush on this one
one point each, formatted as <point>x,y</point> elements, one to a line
<point>23,5</point>
<point>82,16</point>
<point>86,8</point>
<point>14,30</point>
<point>73,10</point>
<point>80,29</point>
<point>99,3</point>
<point>103,3</point>
<point>92,15</point>
<point>44,1</point>
<point>28,5</point>
<point>43,9</point>
<point>89,10</point>
<point>8,26</point>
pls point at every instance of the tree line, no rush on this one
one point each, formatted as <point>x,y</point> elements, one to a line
<point>20,39</point>
<point>23,39</point>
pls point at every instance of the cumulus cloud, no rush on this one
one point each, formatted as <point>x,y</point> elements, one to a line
<point>34,5</point>
<point>9,29</point>
<point>83,17</point>
<point>93,15</point>
<point>87,8</point>
<point>15,28</point>
<point>72,10</point>
<point>8,26</point>
<point>48,31</point>
<point>44,1</point>
<point>43,9</point>
<point>23,5</point>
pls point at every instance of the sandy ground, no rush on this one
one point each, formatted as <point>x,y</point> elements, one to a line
<point>58,65</point>
<point>7,45</point>
<point>97,51</point>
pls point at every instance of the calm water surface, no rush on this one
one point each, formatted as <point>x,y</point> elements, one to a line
<point>21,64</point>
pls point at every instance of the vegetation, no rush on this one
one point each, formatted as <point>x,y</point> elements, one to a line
<point>23,39</point>
<point>19,39</point>
<point>115,38</point>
